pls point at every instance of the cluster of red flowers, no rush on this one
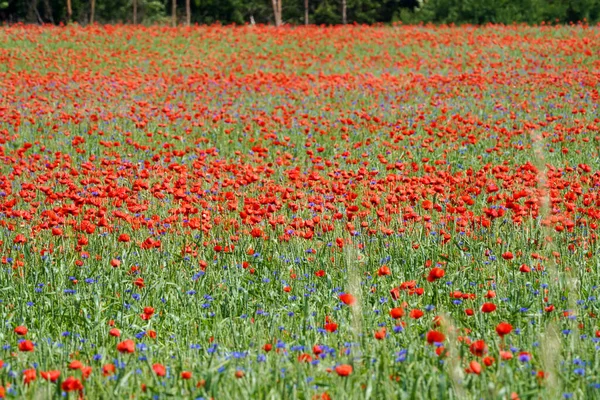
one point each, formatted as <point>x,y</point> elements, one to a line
<point>414,176</point>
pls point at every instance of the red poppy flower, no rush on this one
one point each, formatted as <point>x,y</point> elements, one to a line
<point>541,375</point>
<point>331,327</point>
<point>75,364</point>
<point>29,375</point>
<point>159,369</point>
<point>488,361</point>
<point>123,237</point>
<point>108,369</point>
<point>26,345</point>
<point>20,239</point>
<point>305,357</point>
<point>127,346</point>
<point>186,375</point>
<point>441,351</point>
<point>347,299</point>
<point>343,370</point>
<point>86,372</point>
<point>21,330</point>
<point>503,328</point>
<point>320,273</point>
<point>435,274</point>
<point>415,313</point>
<point>475,367</point>
<point>384,271</point>
<point>71,384</point>
<point>488,307</point>
<point>435,337</point>
<point>268,347</point>
<point>317,350</point>
<point>507,255</point>
<point>139,282</point>
<point>114,332</point>
<point>397,312</point>
<point>478,348</point>
<point>51,375</point>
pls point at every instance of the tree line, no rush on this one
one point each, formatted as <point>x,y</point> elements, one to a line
<point>296,12</point>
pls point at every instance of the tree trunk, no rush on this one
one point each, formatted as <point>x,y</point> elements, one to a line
<point>188,13</point>
<point>69,11</point>
<point>92,11</point>
<point>174,13</point>
<point>134,12</point>
<point>305,12</point>
<point>344,20</point>
<point>277,12</point>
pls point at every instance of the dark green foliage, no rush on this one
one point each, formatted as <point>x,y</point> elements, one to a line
<point>505,11</point>
<point>328,12</point>
<point>320,11</point>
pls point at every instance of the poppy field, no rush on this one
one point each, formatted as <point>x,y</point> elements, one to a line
<point>351,212</point>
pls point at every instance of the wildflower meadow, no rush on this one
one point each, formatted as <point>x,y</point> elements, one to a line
<point>347,212</point>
